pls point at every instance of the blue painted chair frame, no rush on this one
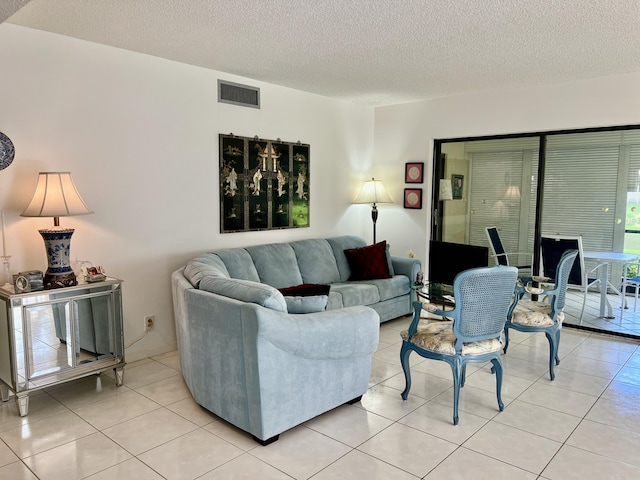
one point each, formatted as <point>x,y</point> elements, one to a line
<point>551,314</point>
<point>483,300</point>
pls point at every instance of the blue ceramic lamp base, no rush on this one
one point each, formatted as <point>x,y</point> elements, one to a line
<point>57,243</point>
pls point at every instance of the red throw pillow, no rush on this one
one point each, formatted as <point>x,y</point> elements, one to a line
<point>368,263</point>
<point>306,290</point>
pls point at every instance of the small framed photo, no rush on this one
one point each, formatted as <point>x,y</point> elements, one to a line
<point>413,198</point>
<point>457,186</point>
<point>413,172</point>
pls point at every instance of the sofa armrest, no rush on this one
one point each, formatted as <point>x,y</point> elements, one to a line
<point>245,291</point>
<point>331,334</point>
<point>406,266</point>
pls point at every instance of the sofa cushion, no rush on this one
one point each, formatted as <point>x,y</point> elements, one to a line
<point>339,245</point>
<point>239,264</point>
<point>356,293</point>
<point>316,261</point>
<point>207,265</point>
<point>306,298</point>
<point>368,263</point>
<point>276,264</point>
<point>395,286</point>
<point>245,291</point>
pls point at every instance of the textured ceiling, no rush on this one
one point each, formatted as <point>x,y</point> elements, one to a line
<point>375,52</point>
<point>9,7</point>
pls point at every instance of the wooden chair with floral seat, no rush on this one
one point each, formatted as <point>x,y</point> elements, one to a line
<point>483,300</point>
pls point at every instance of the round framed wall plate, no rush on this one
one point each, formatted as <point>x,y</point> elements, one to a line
<point>7,152</point>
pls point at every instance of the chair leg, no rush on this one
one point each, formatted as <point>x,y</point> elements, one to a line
<point>553,352</point>
<point>557,346</point>
<point>463,375</point>
<point>405,351</point>
<point>506,339</point>
<point>497,368</point>
<point>456,367</point>
<point>584,303</point>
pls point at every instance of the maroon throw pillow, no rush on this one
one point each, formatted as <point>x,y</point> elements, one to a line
<point>306,290</point>
<point>368,263</point>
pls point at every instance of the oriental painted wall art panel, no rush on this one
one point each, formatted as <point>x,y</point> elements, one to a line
<point>264,184</point>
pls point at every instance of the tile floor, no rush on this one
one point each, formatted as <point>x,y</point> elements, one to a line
<point>584,425</point>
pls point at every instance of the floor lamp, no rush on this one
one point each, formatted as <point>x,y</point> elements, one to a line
<point>373,192</point>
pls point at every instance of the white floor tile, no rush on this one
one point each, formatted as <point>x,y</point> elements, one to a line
<point>112,411</point>
<point>465,463</point>
<point>572,463</point>
<point>232,434</point>
<point>349,424</point>
<point>41,406</point>
<point>357,466</point>
<point>189,409</point>
<point>437,420</point>
<point>190,456</point>
<point>404,447</point>
<point>612,442</point>
<point>422,384</point>
<point>40,435</point>
<point>147,373</point>
<point>559,399</point>
<point>17,471</point>
<point>538,420</point>
<point>622,392</point>
<point>388,403</point>
<point>166,391</point>
<point>78,458</point>
<point>616,414</point>
<point>6,455</point>
<point>149,430</point>
<point>246,467</point>
<point>86,390</point>
<point>516,447</point>
<point>476,401</point>
<point>132,468</point>
<point>301,452</point>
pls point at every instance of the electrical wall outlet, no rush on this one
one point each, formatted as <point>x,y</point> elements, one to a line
<point>149,322</point>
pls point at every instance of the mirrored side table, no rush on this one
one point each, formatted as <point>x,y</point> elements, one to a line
<point>53,336</point>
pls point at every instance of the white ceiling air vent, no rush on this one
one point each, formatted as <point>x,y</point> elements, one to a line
<point>237,94</point>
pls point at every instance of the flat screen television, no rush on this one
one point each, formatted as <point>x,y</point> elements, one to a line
<point>446,260</point>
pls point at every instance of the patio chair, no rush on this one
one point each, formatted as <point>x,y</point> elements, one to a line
<point>483,299</point>
<point>534,316</point>
<point>502,256</point>
<point>552,247</point>
<point>630,283</point>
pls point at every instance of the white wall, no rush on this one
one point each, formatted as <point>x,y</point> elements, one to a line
<point>406,132</point>
<point>140,136</point>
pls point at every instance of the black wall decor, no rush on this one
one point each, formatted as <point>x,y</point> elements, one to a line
<point>264,184</point>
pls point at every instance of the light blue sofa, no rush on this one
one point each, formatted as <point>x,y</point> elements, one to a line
<point>249,361</point>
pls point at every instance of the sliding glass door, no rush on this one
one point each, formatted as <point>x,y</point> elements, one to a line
<point>585,183</point>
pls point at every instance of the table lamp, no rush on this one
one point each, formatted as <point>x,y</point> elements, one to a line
<point>56,196</point>
<point>373,192</point>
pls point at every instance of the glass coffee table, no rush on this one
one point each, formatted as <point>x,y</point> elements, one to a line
<point>438,294</point>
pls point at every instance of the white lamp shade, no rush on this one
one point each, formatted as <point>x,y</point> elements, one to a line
<point>445,193</point>
<point>373,191</point>
<point>56,196</point>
